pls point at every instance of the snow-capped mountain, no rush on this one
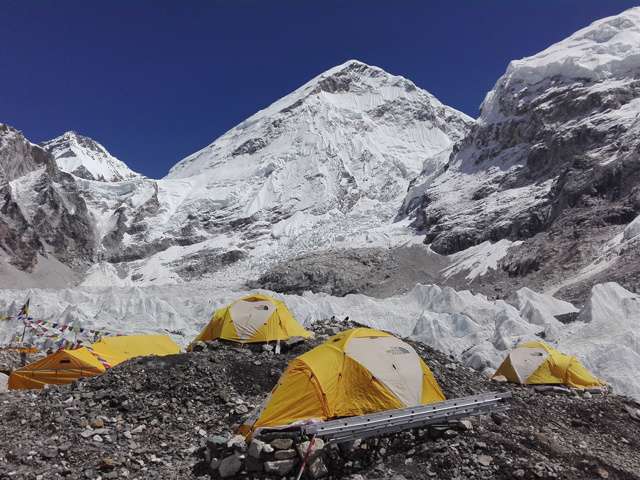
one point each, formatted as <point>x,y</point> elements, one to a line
<point>325,167</point>
<point>43,220</point>
<point>86,158</point>
<point>552,160</point>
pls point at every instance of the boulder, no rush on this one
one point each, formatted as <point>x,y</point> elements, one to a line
<point>280,467</point>
<point>255,448</point>
<point>315,452</point>
<point>230,466</point>
<point>317,468</point>
<point>281,443</point>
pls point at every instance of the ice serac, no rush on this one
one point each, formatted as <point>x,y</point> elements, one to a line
<point>552,160</point>
<point>86,158</point>
<point>43,212</point>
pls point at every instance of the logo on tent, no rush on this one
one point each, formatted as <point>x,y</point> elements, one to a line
<point>398,351</point>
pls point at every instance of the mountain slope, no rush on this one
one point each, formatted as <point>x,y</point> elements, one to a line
<point>43,212</point>
<point>325,167</point>
<point>552,160</point>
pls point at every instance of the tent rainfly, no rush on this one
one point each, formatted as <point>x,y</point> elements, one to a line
<point>356,372</point>
<point>64,366</point>
<point>538,363</point>
<point>255,318</point>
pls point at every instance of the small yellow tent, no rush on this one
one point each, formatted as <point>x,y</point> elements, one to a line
<point>255,318</point>
<point>356,372</point>
<point>59,368</point>
<point>62,367</point>
<point>538,363</point>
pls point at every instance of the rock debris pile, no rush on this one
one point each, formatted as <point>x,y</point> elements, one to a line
<point>175,417</point>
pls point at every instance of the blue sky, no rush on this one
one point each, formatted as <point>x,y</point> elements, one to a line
<point>156,81</point>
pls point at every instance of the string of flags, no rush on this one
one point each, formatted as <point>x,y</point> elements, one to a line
<point>39,328</point>
<point>60,326</point>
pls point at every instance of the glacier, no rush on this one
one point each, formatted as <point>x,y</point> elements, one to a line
<point>471,329</point>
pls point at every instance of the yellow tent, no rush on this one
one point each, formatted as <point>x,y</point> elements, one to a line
<point>356,372</point>
<point>255,318</point>
<point>62,367</point>
<point>59,368</point>
<point>118,349</point>
<point>538,363</point>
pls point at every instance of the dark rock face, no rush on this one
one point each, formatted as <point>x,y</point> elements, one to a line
<point>369,271</point>
<point>557,160</point>
<point>47,215</point>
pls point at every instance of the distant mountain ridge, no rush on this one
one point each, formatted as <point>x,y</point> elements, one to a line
<point>86,158</point>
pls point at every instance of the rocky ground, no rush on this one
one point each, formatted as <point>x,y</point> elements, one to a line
<point>151,418</point>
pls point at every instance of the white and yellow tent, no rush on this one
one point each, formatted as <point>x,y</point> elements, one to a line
<point>356,372</point>
<point>62,367</point>
<point>255,318</point>
<point>538,363</point>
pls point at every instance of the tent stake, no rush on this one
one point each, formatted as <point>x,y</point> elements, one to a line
<point>306,457</point>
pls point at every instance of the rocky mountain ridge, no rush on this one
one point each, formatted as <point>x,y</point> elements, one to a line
<point>43,211</point>
<point>551,161</point>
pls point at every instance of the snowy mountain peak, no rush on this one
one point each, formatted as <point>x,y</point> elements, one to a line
<point>605,50</point>
<point>86,158</point>
<point>347,104</point>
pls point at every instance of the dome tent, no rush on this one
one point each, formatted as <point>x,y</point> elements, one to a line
<point>356,372</point>
<point>255,318</point>
<point>64,366</point>
<point>538,363</point>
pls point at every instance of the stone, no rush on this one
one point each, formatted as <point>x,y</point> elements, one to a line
<point>97,423</point>
<point>596,390</point>
<point>198,346</point>
<point>281,443</point>
<point>284,454</point>
<point>449,433</point>
<point>216,443</point>
<point>602,473</point>
<point>317,468</point>
<point>236,439</point>
<point>436,431</point>
<point>252,464</point>
<point>138,429</point>
<point>293,341</point>
<point>255,448</point>
<point>484,460</point>
<point>519,473</point>
<point>499,379</point>
<point>214,464</point>
<point>268,449</point>
<point>230,465</point>
<point>330,331</point>
<point>497,418</point>
<point>107,464</point>
<point>465,425</point>
<point>280,467</point>
<point>241,409</point>
<point>315,452</point>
